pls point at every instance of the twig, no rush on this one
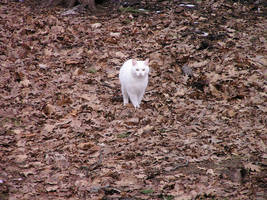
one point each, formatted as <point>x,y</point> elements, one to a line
<point>181,165</point>
<point>99,162</point>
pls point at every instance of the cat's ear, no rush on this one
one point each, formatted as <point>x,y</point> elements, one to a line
<point>134,62</point>
<point>147,61</point>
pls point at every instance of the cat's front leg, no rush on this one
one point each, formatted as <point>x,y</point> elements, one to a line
<point>125,96</point>
<point>125,99</point>
<point>134,99</point>
<point>141,97</point>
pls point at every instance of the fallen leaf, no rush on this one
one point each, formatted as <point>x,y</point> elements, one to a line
<point>51,188</point>
<point>49,109</point>
<point>252,167</point>
<point>120,54</point>
<point>96,25</point>
<point>117,34</point>
<point>25,83</point>
<point>21,158</point>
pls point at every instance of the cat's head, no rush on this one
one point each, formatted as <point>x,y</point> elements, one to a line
<point>140,68</point>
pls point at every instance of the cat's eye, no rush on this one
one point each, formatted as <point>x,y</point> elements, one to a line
<point>137,70</point>
<point>143,69</point>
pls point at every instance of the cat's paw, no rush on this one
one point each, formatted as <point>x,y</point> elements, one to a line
<point>136,106</point>
<point>125,101</point>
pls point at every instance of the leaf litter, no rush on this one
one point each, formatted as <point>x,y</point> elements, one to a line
<point>201,129</point>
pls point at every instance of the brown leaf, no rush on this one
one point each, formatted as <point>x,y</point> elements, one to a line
<point>49,109</point>
<point>89,145</point>
<point>21,158</point>
<point>132,121</point>
<point>252,167</point>
<point>96,25</point>
<point>51,188</point>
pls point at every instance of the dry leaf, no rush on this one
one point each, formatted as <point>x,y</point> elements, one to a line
<point>252,167</point>
<point>96,25</point>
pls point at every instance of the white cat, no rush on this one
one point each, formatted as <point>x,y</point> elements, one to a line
<point>134,79</point>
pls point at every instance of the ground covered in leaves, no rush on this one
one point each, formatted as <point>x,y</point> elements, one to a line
<point>200,132</point>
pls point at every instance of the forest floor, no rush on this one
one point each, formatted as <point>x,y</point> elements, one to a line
<point>200,132</point>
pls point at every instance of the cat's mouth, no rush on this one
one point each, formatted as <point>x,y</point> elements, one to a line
<point>140,74</point>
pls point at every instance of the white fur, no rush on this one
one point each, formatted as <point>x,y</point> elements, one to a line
<point>134,79</point>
